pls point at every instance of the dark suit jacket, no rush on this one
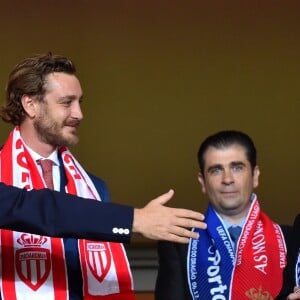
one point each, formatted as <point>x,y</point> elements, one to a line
<point>172,275</point>
<point>75,283</point>
<point>292,255</point>
<point>58,214</point>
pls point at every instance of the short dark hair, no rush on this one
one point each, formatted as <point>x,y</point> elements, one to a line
<point>224,139</point>
<point>29,78</point>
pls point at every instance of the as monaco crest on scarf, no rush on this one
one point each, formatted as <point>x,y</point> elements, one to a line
<point>258,294</point>
<point>99,259</point>
<point>33,262</point>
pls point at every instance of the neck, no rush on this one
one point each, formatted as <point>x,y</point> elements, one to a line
<point>31,139</point>
<point>234,218</point>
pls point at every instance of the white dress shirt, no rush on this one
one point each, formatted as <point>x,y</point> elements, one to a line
<point>54,157</point>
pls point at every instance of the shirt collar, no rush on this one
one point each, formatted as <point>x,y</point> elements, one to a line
<point>35,156</point>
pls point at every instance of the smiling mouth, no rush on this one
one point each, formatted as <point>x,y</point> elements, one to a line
<point>72,129</point>
<point>75,125</point>
<point>72,125</point>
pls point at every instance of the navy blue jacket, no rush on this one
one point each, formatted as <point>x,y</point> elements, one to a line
<point>59,214</point>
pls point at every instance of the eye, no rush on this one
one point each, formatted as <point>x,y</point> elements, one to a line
<point>215,170</point>
<point>67,103</point>
<point>237,168</point>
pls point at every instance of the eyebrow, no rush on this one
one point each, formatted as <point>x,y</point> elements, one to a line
<point>237,163</point>
<point>232,164</point>
<point>70,97</point>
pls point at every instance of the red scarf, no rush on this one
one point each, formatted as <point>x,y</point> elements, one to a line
<point>260,259</point>
<point>33,266</point>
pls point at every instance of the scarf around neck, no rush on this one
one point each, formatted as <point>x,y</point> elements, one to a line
<point>33,266</point>
<point>254,271</point>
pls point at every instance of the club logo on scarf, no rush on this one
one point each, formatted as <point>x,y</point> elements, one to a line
<point>33,261</point>
<point>253,293</point>
<point>99,259</point>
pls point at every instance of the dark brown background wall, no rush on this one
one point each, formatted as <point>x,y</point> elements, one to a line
<point>159,76</point>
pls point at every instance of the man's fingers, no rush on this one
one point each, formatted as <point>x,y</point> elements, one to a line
<point>186,223</point>
<point>188,219</point>
<point>178,212</point>
<point>185,233</point>
<point>177,239</point>
<point>160,222</point>
<point>187,213</point>
<point>180,235</point>
<point>164,198</point>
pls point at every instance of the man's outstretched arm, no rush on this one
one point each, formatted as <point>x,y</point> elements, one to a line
<point>58,214</point>
<point>51,213</point>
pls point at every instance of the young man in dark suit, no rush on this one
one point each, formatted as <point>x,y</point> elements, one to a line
<point>43,99</point>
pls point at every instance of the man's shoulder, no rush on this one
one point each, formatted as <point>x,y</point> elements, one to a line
<point>96,179</point>
<point>101,187</point>
<point>286,229</point>
<point>297,221</point>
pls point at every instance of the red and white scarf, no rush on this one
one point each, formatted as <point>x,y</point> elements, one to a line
<point>33,266</point>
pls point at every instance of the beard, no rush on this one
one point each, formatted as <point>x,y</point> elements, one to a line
<point>51,132</point>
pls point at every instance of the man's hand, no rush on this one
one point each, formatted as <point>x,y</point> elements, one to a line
<point>295,295</point>
<point>158,222</point>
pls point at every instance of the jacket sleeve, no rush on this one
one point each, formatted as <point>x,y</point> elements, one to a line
<point>293,245</point>
<point>59,214</point>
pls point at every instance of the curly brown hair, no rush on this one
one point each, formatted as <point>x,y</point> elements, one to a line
<point>29,78</point>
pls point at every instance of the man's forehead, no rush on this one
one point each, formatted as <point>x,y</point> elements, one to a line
<point>61,78</point>
<point>226,154</point>
<point>66,84</point>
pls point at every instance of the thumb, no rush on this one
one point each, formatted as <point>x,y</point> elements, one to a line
<point>164,198</point>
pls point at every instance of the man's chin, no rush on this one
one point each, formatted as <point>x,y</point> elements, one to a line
<point>69,141</point>
<point>72,142</point>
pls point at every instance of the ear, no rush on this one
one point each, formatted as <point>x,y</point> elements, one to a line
<point>256,173</point>
<point>29,105</point>
<point>202,182</point>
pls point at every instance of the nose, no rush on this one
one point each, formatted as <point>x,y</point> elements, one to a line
<point>76,111</point>
<point>227,177</point>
